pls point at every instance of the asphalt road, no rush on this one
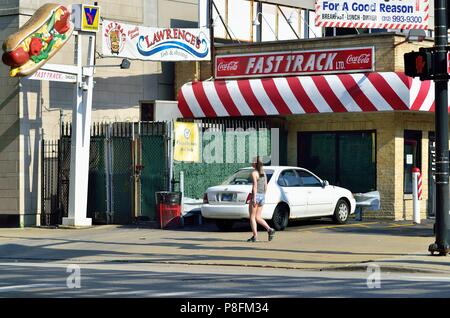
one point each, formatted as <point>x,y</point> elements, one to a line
<point>191,281</point>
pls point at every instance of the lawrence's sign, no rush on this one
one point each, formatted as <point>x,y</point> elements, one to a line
<point>375,14</point>
<point>295,63</point>
<point>155,44</point>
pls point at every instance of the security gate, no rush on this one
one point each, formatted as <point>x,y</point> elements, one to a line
<point>128,163</point>
<point>51,212</point>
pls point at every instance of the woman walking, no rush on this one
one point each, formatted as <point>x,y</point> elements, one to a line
<point>256,204</point>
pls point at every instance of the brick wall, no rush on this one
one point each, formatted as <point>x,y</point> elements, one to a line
<point>389,147</point>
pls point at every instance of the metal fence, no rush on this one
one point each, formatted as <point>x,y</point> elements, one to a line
<point>128,163</point>
<point>51,211</point>
<point>201,175</point>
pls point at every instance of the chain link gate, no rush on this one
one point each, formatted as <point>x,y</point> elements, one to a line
<point>128,163</point>
<point>198,176</point>
<point>50,209</point>
<point>155,167</point>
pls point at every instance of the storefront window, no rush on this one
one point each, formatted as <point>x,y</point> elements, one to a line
<point>346,159</point>
<point>412,157</point>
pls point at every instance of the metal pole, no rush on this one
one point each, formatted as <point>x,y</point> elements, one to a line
<point>441,120</point>
<point>210,23</point>
<point>259,26</point>
<point>415,194</point>
<point>80,139</point>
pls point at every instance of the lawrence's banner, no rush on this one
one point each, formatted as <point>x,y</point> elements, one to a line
<point>375,14</point>
<point>155,44</point>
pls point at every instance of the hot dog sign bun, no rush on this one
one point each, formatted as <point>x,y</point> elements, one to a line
<point>37,40</point>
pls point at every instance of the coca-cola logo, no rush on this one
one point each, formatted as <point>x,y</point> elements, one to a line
<point>358,59</point>
<point>228,66</point>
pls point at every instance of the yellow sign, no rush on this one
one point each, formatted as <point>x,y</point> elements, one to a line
<point>187,142</point>
<point>90,17</point>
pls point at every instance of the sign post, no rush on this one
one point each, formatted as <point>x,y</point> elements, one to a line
<point>81,118</point>
<point>441,245</point>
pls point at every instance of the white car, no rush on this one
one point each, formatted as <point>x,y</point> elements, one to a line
<point>292,193</point>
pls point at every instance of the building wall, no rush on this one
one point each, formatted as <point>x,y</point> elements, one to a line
<point>34,111</point>
<point>389,128</point>
<point>9,125</point>
<point>389,50</point>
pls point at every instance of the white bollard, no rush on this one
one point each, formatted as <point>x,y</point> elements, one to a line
<point>416,197</point>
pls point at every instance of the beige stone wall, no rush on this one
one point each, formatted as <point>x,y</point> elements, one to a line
<point>176,9</point>
<point>131,10</point>
<point>9,126</point>
<point>35,111</point>
<point>389,128</point>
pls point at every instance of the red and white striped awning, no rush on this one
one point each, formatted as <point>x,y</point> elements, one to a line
<point>371,92</point>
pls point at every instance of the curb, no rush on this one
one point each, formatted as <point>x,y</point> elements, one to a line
<point>361,267</point>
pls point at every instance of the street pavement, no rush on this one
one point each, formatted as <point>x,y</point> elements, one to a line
<point>193,281</point>
<point>310,258</point>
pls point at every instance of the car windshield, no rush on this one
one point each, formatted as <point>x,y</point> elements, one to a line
<point>245,177</point>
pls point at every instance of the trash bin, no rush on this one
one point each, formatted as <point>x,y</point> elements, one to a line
<point>168,207</point>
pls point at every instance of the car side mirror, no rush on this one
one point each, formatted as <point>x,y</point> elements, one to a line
<point>325,183</point>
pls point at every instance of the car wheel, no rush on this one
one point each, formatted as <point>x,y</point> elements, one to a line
<point>224,225</point>
<point>341,212</point>
<point>280,218</point>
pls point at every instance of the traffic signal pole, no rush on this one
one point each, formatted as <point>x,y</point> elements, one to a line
<point>441,245</point>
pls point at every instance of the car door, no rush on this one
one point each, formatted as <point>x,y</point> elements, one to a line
<point>295,196</point>
<point>320,198</point>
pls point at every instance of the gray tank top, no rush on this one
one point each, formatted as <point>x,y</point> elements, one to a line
<point>260,183</point>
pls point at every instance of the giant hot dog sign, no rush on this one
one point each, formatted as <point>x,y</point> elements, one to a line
<point>155,44</point>
<point>37,40</point>
<point>375,14</point>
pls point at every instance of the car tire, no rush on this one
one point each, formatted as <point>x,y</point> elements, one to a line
<point>224,225</point>
<point>341,212</point>
<point>280,218</point>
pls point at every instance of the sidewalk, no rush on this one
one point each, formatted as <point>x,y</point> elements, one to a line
<point>309,245</point>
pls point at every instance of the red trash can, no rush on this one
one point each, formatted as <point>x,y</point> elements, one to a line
<point>169,208</point>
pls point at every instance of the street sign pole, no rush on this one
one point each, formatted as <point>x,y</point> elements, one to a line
<point>441,245</point>
<point>80,137</point>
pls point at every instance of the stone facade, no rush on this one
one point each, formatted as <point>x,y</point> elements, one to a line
<point>31,111</point>
<point>389,126</point>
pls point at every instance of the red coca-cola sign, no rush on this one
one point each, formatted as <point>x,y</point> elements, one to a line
<point>295,63</point>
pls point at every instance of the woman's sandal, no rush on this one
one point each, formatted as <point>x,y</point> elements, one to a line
<point>271,233</point>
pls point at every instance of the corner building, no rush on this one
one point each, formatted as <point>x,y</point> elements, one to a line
<point>361,130</point>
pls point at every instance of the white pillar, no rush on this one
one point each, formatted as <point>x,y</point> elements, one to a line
<point>416,203</point>
<point>80,139</point>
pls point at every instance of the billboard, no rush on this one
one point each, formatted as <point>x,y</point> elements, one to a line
<point>374,14</point>
<point>155,44</point>
<point>295,63</point>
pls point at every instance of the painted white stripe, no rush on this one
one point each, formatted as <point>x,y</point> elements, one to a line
<point>192,102</point>
<point>287,95</point>
<point>371,92</point>
<point>425,278</point>
<point>429,100</point>
<point>238,99</point>
<point>397,85</point>
<point>262,97</point>
<point>214,99</point>
<point>314,94</point>
<point>15,287</point>
<point>342,94</point>
<point>414,91</point>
